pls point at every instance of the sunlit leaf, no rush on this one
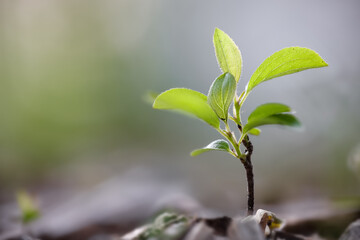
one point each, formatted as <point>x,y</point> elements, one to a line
<point>254,131</point>
<point>280,119</point>
<point>217,145</point>
<point>221,94</point>
<point>189,102</point>
<point>268,109</point>
<point>286,61</point>
<point>228,54</point>
<point>150,96</point>
<point>27,205</point>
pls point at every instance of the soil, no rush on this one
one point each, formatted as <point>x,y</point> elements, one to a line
<point>94,215</point>
<point>309,229</point>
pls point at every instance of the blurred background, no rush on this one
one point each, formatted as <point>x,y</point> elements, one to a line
<point>73,76</point>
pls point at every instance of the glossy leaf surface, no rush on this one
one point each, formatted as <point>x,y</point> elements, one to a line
<point>217,145</point>
<point>227,53</point>
<point>221,94</point>
<point>189,102</point>
<point>280,119</point>
<point>268,109</point>
<point>286,61</point>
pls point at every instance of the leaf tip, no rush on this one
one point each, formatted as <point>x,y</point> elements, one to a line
<point>197,152</point>
<point>154,103</point>
<point>255,131</point>
<point>149,97</point>
<point>217,30</point>
<point>298,124</point>
<point>298,127</point>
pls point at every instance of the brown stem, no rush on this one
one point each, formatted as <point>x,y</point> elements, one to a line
<point>249,173</point>
<point>250,180</point>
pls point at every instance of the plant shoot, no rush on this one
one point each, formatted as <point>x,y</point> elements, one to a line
<point>214,108</point>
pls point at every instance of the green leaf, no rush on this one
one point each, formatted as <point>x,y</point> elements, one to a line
<point>286,61</point>
<point>227,53</point>
<point>280,119</point>
<point>27,206</point>
<point>150,96</point>
<point>270,113</point>
<point>268,109</point>
<point>254,131</point>
<point>189,102</point>
<point>217,145</point>
<point>221,94</point>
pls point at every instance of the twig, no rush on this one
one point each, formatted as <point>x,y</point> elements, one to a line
<point>249,173</point>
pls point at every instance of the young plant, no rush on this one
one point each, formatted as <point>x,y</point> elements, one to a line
<point>28,207</point>
<point>214,108</point>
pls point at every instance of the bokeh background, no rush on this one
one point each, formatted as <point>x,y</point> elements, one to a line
<point>73,76</point>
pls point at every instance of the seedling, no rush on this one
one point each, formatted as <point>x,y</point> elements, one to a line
<point>214,108</point>
<point>28,207</point>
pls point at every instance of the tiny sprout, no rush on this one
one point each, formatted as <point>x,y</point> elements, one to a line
<point>28,207</point>
<point>214,107</point>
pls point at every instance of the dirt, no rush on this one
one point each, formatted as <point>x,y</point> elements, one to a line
<point>120,205</point>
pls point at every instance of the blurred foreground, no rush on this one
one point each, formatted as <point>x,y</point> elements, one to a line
<point>119,205</point>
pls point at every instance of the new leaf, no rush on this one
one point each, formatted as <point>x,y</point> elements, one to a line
<point>217,145</point>
<point>286,61</point>
<point>268,109</point>
<point>221,94</point>
<point>270,113</point>
<point>227,53</point>
<point>189,102</point>
<point>280,119</point>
